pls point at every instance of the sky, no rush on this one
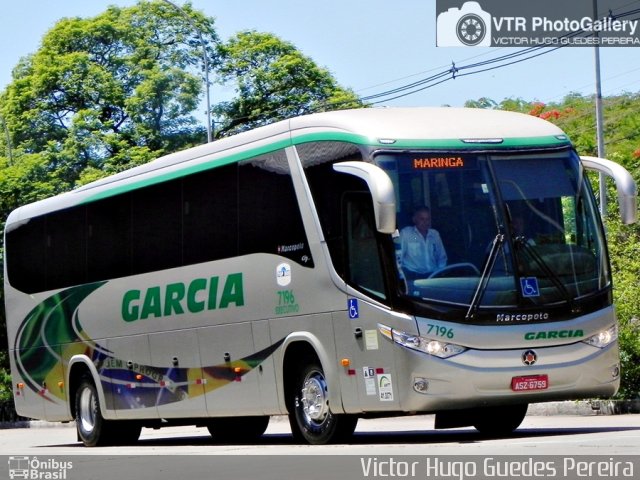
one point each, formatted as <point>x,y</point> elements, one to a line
<point>369,46</point>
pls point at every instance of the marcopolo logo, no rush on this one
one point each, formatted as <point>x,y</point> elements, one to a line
<point>467,26</point>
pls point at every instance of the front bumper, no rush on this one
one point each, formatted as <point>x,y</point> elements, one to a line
<point>477,378</point>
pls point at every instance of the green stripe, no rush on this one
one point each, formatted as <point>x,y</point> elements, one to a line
<point>332,136</point>
<point>455,144</point>
<point>208,165</point>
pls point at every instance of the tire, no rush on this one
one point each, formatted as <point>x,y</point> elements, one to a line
<point>499,421</point>
<point>238,429</point>
<point>310,415</point>
<point>93,430</point>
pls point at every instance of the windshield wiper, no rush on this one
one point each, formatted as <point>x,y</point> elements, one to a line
<point>521,243</point>
<point>486,275</point>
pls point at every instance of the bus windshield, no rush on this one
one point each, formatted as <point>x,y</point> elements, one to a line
<point>485,230</point>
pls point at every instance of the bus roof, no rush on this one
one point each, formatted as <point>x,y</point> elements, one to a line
<point>420,127</point>
<point>430,123</point>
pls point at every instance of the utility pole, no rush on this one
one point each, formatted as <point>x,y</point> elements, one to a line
<point>205,59</point>
<point>8,140</point>
<point>599,118</point>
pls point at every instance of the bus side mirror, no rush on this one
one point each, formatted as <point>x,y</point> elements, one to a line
<point>381,188</point>
<point>626,186</point>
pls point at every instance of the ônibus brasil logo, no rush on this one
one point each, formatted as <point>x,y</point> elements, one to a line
<point>34,468</point>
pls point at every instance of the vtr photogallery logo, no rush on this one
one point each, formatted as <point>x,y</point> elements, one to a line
<point>467,26</point>
<point>539,23</point>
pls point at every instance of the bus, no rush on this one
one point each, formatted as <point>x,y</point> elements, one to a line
<point>265,274</point>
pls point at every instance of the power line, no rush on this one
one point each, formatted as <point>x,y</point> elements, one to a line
<point>477,67</point>
<point>453,72</point>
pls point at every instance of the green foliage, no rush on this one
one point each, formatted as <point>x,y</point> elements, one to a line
<point>111,92</point>
<point>274,80</point>
<point>100,87</point>
<point>99,96</point>
<point>5,379</point>
<point>624,244</point>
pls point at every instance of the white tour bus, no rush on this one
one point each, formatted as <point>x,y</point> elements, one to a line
<point>279,272</point>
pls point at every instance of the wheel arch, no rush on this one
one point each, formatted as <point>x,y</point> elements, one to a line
<point>300,349</point>
<point>79,367</point>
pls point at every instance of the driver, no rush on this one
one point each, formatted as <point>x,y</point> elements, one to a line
<point>422,251</point>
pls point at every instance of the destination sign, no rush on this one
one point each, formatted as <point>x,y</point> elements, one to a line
<point>435,162</point>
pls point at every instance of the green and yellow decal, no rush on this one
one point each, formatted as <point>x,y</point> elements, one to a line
<point>52,333</point>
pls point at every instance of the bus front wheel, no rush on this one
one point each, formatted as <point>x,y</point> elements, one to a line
<point>311,418</point>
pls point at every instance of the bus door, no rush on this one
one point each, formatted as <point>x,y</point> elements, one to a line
<point>370,375</point>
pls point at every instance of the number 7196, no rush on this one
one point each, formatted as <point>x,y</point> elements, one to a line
<point>439,331</point>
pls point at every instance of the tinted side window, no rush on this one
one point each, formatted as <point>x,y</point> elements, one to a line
<point>270,219</point>
<point>190,220</point>
<point>109,238</point>
<point>25,256</point>
<point>363,259</point>
<point>66,248</point>
<point>211,215</point>
<point>328,188</point>
<point>157,227</point>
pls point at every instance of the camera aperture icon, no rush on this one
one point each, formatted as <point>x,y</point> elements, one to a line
<point>467,26</point>
<point>471,29</point>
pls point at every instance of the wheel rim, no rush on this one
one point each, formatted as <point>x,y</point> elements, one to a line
<point>87,410</point>
<point>315,404</point>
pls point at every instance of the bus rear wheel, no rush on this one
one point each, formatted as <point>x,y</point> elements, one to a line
<point>93,429</point>
<point>497,421</point>
<point>310,415</point>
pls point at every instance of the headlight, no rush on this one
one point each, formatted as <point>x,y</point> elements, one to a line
<point>421,344</point>
<point>603,338</point>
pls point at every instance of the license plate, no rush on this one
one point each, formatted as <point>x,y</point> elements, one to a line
<point>530,382</point>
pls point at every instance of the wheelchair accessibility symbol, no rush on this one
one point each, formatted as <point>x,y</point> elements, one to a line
<point>529,287</point>
<point>353,308</point>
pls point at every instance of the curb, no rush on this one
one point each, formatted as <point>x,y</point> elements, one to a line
<point>585,407</point>
<point>578,408</point>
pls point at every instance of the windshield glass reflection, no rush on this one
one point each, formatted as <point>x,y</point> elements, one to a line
<point>484,230</point>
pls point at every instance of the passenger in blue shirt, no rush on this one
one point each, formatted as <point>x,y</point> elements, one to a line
<point>422,251</point>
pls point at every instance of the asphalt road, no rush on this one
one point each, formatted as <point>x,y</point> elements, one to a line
<point>189,453</point>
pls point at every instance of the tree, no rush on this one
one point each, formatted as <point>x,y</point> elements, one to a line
<point>100,95</point>
<point>112,91</point>
<point>274,80</point>
<point>482,102</point>
<point>107,93</point>
<point>624,243</point>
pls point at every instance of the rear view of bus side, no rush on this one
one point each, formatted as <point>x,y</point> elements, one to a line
<point>274,273</point>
